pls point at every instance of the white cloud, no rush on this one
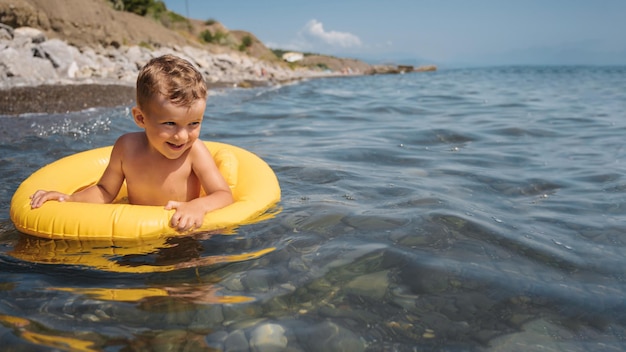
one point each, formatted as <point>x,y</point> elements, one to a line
<point>315,29</point>
<point>314,38</point>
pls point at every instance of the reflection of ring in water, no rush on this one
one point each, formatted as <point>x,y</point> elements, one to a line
<point>43,336</point>
<point>205,294</point>
<point>156,255</point>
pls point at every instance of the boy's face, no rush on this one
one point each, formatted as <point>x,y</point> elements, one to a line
<point>171,129</point>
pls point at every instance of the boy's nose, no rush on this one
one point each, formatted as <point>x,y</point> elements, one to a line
<point>181,134</point>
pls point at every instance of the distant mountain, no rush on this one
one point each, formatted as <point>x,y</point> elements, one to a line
<point>396,59</point>
<point>575,53</point>
<point>562,56</point>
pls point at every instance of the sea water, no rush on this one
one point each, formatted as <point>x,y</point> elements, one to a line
<point>464,209</point>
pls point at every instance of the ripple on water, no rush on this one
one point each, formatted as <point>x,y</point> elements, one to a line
<point>454,210</point>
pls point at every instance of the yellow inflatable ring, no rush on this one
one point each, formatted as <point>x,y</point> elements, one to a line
<point>253,183</point>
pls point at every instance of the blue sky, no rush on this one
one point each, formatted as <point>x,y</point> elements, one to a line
<point>453,32</point>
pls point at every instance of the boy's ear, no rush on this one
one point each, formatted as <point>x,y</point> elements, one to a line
<point>139,117</point>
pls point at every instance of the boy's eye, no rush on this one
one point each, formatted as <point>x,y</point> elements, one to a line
<point>169,123</point>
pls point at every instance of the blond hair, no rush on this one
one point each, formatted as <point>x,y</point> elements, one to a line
<point>173,78</point>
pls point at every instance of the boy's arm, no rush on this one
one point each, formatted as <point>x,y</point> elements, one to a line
<point>109,184</point>
<point>104,191</point>
<point>218,195</point>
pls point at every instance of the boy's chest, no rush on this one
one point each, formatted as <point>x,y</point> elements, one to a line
<point>159,181</point>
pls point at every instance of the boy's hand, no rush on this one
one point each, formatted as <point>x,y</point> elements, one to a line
<point>187,216</point>
<point>40,197</point>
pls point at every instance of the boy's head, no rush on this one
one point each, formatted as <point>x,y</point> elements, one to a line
<point>173,78</point>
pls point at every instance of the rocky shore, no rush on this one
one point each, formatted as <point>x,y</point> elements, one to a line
<point>69,55</point>
<point>38,74</point>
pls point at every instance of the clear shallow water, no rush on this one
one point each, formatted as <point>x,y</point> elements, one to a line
<point>473,209</point>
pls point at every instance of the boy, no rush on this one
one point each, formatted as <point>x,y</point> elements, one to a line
<point>166,163</point>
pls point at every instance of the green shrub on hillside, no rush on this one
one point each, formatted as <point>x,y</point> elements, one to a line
<point>155,9</point>
<point>280,52</point>
<point>140,7</point>
<point>206,36</point>
<point>172,20</point>
<point>146,45</point>
<point>246,42</point>
<point>218,37</point>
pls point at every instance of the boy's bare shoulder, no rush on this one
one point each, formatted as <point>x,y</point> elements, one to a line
<point>131,139</point>
<point>199,147</point>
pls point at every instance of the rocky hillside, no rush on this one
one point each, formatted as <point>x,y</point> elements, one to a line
<point>89,23</point>
<point>59,42</point>
<point>51,42</point>
<point>66,55</point>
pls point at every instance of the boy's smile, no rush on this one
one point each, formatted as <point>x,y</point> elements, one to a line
<point>176,147</point>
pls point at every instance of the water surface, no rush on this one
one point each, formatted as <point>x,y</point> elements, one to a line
<point>469,209</point>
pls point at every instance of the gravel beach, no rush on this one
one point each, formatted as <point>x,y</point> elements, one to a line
<point>63,98</point>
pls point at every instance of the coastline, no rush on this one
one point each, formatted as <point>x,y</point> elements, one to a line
<point>41,75</point>
<point>63,98</point>
<point>56,69</point>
